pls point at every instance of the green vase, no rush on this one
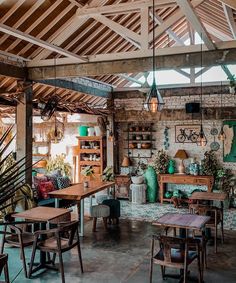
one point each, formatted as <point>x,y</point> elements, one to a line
<point>151,181</point>
<point>171,167</point>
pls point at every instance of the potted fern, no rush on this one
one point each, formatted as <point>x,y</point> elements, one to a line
<point>87,172</point>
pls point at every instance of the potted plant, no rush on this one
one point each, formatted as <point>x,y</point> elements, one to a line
<point>210,164</point>
<point>107,175</point>
<point>58,163</point>
<point>160,162</point>
<point>87,172</point>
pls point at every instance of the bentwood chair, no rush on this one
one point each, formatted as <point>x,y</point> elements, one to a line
<point>4,266</point>
<point>216,218</point>
<point>58,241</point>
<point>14,235</point>
<point>175,253</point>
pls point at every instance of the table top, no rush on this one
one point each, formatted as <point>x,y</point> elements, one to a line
<point>41,213</point>
<point>186,221</point>
<point>209,196</point>
<point>78,192</point>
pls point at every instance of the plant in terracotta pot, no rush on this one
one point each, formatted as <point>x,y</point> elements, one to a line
<point>87,172</point>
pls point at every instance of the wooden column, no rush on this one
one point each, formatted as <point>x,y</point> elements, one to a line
<point>24,126</point>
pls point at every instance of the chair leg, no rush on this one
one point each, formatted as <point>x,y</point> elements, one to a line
<point>200,269</point>
<point>6,273</point>
<point>22,252</point>
<point>163,270</point>
<point>222,232</point>
<point>105,222</point>
<point>150,270</point>
<point>32,258</point>
<point>54,258</point>
<point>80,258</point>
<point>61,267</point>
<point>215,240</point>
<point>94,223</point>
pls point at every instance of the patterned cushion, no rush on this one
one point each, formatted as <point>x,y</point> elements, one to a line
<point>44,189</point>
<point>37,180</point>
<point>53,179</point>
<point>63,182</point>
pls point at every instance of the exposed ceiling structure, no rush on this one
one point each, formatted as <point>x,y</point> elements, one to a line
<point>82,49</point>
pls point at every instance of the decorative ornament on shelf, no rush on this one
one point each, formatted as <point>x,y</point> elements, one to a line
<point>171,166</point>
<point>154,101</point>
<point>214,145</point>
<point>181,154</point>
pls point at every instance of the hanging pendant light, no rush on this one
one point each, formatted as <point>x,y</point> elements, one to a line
<point>221,135</point>
<point>154,101</point>
<point>201,140</point>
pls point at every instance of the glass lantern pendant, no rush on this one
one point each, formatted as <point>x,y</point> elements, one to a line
<point>154,102</point>
<point>222,135</point>
<point>201,140</point>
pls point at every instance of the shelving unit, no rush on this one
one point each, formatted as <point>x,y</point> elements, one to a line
<point>137,136</point>
<point>93,149</point>
<point>37,155</point>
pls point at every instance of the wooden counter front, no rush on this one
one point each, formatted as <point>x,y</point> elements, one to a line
<point>183,179</point>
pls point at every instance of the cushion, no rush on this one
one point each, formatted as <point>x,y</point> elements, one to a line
<point>37,180</point>
<point>63,182</point>
<point>53,179</point>
<point>44,188</point>
<point>100,211</point>
<point>114,205</point>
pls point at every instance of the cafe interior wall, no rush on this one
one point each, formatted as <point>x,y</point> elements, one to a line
<point>130,113</point>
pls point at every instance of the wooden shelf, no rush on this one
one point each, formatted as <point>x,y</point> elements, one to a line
<point>140,148</point>
<point>84,163</point>
<point>137,141</point>
<point>90,138</point>
<point>41,143</point>
<point>91,150</point>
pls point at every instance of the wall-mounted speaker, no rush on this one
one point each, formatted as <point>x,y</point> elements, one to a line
<point>192,107</point>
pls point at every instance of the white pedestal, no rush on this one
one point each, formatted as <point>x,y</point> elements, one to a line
<point>138,193</point>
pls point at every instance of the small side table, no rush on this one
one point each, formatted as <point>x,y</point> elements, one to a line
<point>122,183</point>
<point>138,193</point>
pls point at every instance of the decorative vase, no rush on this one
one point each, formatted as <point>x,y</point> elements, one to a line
<point>151,181</point>
<point>91,131</point>
<point>98,131</point>
<point>194,167</point>
<point>86,184</point>
<point>171,167</point>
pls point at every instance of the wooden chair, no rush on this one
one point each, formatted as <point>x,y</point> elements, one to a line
<point>216,219</point>
<point>14,235</point>
<point>4,266</point>
<point>174,252</point>
<point>57,243</point>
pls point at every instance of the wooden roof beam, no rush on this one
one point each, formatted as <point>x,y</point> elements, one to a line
<point>81,85</point>
<point>186,60</point>
<point>194,20</point>
<point>12,71</point>
<point>29,38</point>
<point>230,3</point>
<point>230,19</point>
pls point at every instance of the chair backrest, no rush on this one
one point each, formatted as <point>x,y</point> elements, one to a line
<point>70,229</point>
<point>167,243</point>
<point>3,261</point>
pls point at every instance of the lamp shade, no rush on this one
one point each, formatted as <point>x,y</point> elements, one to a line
<point>126,162</point>
<point>181,154</point>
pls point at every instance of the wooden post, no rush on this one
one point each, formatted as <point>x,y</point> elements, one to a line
<point>24,127</point>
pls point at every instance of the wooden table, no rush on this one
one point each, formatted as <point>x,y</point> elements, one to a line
<point>183,179</point>
<point>209,196</point>
<point>79,193</point>
<point>42,214</point>
<point>184,221</point>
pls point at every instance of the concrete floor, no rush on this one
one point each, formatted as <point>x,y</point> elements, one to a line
<point>122,255</point>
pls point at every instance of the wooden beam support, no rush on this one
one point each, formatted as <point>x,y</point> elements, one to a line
<point>29,38</point>
<point>24,125</point>
<point>230,19</point>
<point>81,85</point>
<point>210,58</point>
<point>230,3</point>
<point>13,71</point>
<point>194,20</point>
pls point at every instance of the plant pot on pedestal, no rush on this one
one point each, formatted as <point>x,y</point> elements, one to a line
<point>151,181</point>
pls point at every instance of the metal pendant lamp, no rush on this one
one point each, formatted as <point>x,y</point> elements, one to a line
<point>221,135</point>
<point>154,101</point>
<point>201,140</point>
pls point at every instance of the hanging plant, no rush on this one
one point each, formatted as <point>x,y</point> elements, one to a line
<point>160,162</point>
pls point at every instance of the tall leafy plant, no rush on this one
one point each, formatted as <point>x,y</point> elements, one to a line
<point>12,177</point>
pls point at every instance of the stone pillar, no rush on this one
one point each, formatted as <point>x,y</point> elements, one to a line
<point>24,126</point>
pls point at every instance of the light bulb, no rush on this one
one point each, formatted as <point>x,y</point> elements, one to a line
<point>201,140</point>
<point>153,105</point>
<point>222,135</point>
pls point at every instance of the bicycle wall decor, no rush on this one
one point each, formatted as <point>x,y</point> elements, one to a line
<point>186,133</point>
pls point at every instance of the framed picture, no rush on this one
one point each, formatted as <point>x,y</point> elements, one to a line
<point>229,145</point>
<point>186,133</point>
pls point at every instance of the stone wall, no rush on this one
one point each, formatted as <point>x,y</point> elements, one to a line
<point>129,110</point>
